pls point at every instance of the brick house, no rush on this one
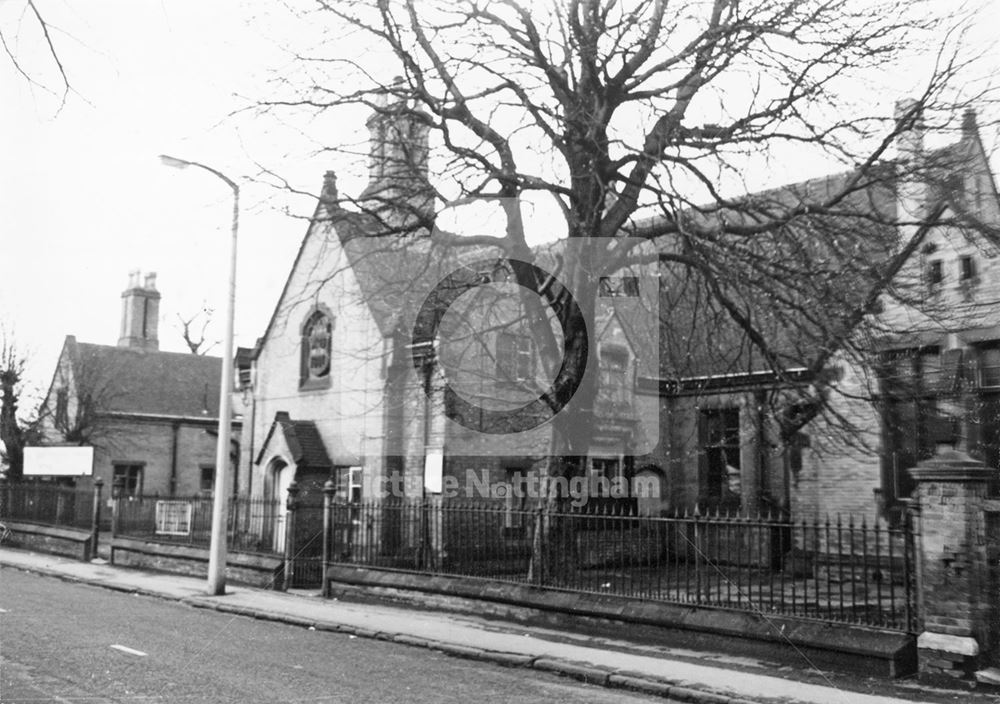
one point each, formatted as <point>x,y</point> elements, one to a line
<point>151,416</point>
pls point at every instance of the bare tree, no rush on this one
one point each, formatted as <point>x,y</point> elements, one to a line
<point>196,341</point>
<point>16,431</point>
<point>641,119</point>
<point>85,387</point>
<point>31,20</point>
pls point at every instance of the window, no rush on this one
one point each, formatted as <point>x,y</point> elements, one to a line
<point>207,479</point>
<point>207,484</point>
<point>615,385</point>
<point>349,484</point>
<point>604,473</point>
<point>967,268</point>
<point>618,287</point>
<point>131,474</point>
<point>720,435</point>
<point>62,409</point>
<point>935,273</point>
<point>989,368</point>
<point>317,339</point>
<point>913,424</point>
<point>515,357</point>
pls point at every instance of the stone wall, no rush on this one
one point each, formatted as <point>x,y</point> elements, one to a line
<point>255,570</point>
<point>71,542</point>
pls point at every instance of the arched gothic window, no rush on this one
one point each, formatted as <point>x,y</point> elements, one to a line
<point>317,339</point>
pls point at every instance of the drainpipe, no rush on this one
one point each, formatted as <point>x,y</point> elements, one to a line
<point>762,463</point>
<point>253,429</point>
<point>175,429</point>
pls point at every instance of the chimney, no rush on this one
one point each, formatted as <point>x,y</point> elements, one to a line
<point>398,184</point>
<point>969,127</point>
<point>140,313</point>
<point>911,189</point>
<point>328,197</point>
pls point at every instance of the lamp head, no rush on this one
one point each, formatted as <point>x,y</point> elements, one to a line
<point>174,162</point>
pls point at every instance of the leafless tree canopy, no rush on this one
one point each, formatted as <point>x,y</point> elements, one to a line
<point>15,431</point>
<point>193,330</point>
<point>28,25</point>
<point>645,119</point>
<point>82,390</point>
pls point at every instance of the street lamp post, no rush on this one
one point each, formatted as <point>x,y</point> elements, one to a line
<point>217,549</point>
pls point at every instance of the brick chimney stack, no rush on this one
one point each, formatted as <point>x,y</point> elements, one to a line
<point>140,313</point>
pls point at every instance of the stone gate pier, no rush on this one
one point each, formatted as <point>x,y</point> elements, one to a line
<point>958,553</point>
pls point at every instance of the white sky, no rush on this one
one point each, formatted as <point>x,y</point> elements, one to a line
<point>83,198</point>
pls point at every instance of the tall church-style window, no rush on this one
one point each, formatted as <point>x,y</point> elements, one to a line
<point>317,341</point>
<point>912,383</point>
<point>719,429</point>
<point>62,409</point>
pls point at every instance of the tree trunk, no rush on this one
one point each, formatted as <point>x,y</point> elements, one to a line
<point>10,432</point>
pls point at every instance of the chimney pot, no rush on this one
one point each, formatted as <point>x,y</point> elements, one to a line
<point>150,281</point>
<point>969,126</point>
<point>329,193</point>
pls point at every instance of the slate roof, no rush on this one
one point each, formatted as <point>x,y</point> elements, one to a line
<point>303,441</point>
<point>820,265</point>
<point>148,382</point>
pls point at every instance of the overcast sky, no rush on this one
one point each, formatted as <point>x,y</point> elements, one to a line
<point>84,200</point>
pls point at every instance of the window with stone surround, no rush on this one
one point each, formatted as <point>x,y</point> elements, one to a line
<point>316,350</point>
<point>131,477</point>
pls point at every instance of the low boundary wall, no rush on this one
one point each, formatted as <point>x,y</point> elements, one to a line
<point>253,569</point>
<point>847,647</point>
<point>70,542</point>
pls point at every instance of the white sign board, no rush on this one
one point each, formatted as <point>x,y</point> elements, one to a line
<point>433,472</point>
<point>59,461</point>
<point>173,518</point>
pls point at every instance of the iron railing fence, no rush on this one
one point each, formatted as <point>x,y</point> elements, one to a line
<point>253,525</point>
<point>837,569</point>
<point>47,504</point>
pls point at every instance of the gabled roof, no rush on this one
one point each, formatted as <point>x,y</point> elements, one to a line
<point>302,439</point>
<point>127,380</point>
<point>819,265</point>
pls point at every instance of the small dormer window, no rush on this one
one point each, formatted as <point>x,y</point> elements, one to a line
<point>967,268</point>
<point>317,340</point>
<point>935,273</point>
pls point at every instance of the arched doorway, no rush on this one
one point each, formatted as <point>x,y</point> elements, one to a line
<point>276,480</point>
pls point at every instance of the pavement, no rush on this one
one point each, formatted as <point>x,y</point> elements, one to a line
<point>676,675</point>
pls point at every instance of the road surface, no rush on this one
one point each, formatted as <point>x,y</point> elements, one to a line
<point>65,642</point>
